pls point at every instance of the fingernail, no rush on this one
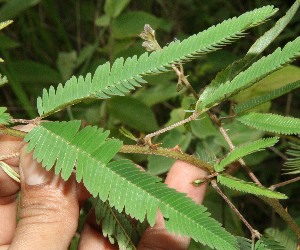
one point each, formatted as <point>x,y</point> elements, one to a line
<point>31,171</point>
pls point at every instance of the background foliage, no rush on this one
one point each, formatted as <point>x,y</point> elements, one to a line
<point>50,41</point>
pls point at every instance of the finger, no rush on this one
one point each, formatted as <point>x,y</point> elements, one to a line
<point>49,208</point>
<point>8,218</point>
<point>180,177</point>
<point>91,238</point>
<point>8,190</point>
<point>10,145</point>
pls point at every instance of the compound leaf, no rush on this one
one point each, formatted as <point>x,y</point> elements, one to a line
<point>121,183</point>
<point>251,75</point>
<point>258,100</point>
<point>116,226</point>
<point>125,75</point>
<point>266,243</point>
<point>271,123</point>
<point>244,150</point>
<point>256,49</point>
<point>248,187</point>
<point>292,165</point>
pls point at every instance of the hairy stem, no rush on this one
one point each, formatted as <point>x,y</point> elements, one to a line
<point>158,132</point>
<point>12,132</point>
<point>167,153</point>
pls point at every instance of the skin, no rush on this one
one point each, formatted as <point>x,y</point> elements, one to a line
<point>49,207</point>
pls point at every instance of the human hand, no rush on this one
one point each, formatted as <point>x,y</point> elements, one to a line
<point>49,207</point>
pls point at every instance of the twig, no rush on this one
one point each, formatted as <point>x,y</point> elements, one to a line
<point>283,214</point>
<point>254,233</point>
<point>167,153</point>
<point>34,121</point>
<point>12,132</point>
<point>183,78</point>
<point>158,132</point>
<point>232,147</point>
<point>277,152</point>
<point>273,187</point>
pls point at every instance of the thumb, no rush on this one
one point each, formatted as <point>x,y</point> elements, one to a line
<point>180,177</point>
<point>49,208</point>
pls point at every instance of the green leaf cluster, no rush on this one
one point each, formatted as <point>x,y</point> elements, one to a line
<point>126,75</point>
<point>121,183</point>
<point>5,118</point>
<point>244,150</point>
<point>248,187</point>
<point>119,187</point>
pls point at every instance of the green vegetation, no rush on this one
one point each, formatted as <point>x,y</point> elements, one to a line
<point>225,92</point>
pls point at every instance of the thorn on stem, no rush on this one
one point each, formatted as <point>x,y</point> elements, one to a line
<point>177,149</point>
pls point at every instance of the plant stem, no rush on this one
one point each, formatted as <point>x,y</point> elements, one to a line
<point>283,214</point>
<point>12,132</point>
<point>271,202</point>
<point>183,78</point>
<point>158,132</point>
<point>34,121</point>
<point>254,233</point>
<point>273,187</point>
<point>167,153</point>
<point>232,147</point>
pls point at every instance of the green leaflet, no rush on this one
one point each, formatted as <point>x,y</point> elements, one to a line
<point>266,243</point>
<point>271,123</point>
<point>3,79</point>
<point>9,171</point>
<point>283,237</point>
<point>244,243</point>
<point>116,226</point>
<point>5,118</point>
<point>248,187</point>
<point>292,165</point>
<point>255,101</point>
<point>125,75</point>
<point>244,150</point>
<point>254,73</point>
<point>142,193</point>
<point>265,40</point>
<point>256,49</point>
<point>4,24</point>
<point>61,143</point>
<point>121,183</point>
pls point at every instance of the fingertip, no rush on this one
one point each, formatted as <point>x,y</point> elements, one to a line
<point>92,239</point>
<point>181,177</point>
